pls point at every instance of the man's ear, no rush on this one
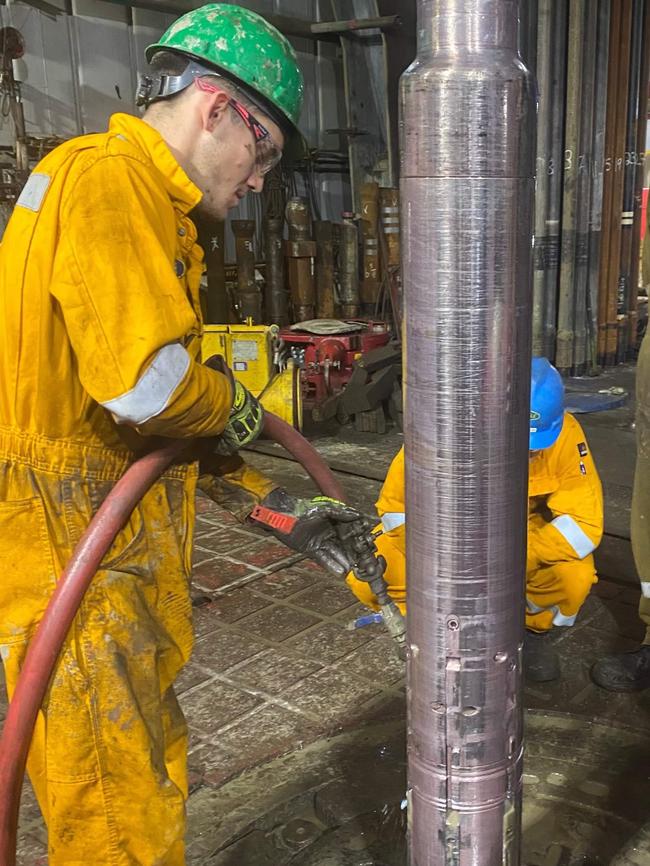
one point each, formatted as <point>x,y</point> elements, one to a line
<point>213,108</point>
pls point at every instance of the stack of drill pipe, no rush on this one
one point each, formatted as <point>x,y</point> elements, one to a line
<point>389,205</point>
<point>644,83</point>
<point>390,229</point>
<point>467,273</point>
<point>349,266</point>
<point>581,346</point>
<point>249,297</point>
<point>628,291</point>
<point>528,19</point>
<point>300,251</point>
<point>370,229</point>
<point>603,14</point>
<point>566,297</point>
<point>551,72</point>
<point>324,234</point>
<point>276,294</point>
<point>572,348</point>
<point>618,79</point>
<point>629,182</point>
<point>212,239</point>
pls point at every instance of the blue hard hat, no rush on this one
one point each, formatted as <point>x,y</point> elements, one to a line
<point>546,404</point>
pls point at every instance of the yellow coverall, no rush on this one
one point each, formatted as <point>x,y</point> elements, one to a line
<point>565,526</point>
<point>640,520</point>
<point>100,323</point>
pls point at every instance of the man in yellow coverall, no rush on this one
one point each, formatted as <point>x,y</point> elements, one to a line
<point>630,671</point>
<point>565,524</point>
<point>100,331</point>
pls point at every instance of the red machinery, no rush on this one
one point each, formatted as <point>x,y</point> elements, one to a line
<point>326,357</point>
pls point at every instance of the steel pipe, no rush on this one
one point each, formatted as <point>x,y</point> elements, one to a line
<point>566,313</point>
<point>597,174</point>
<point>644,81</point>
<point>370,231</point>
<point>625,288</point>
<point>249,297</point>
<point>324,235</point>
<point>582,162</point>
<point>467,186</point>
<point>637,116</point>
<point>212,240</point>
<point>300,250</point>
<point>276,297</point>
<point>543,330</point>
<point>618,79</point>
<point>349,266</point>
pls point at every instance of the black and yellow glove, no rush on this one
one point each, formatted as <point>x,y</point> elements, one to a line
<point>309,526</point>
<point>246,418</point>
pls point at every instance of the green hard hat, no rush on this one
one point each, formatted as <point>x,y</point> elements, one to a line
<point>247,49</point>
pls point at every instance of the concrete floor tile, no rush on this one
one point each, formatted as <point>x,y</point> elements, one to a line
<point>268,552</point>
<point>205,505</point>
<point>278,623</point>
<point>617,618</point>
<point>32,851</point>
<point>226,540</point>
<point>606,589</point>
<point>263,735</point>
<point>189,677</point>
<point>332,696</point>
<point>377,661</point>
<point>284,583</point>
<point>237,604</point>
<point>224,648</point>
<point>205,618</point>
<point>326,597</point>
<point>209,708</point>
<point>273,672</point>
<point>329,642</point>
<point>574,692</point>
<point>219,572</point>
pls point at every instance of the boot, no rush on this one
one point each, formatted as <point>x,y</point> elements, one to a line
<point>541,662</point>
<point>624,672</point>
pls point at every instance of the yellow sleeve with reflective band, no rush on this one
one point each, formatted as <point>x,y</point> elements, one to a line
<point>126,311</point>
<point>576,506</point>
<point>390,505</point>
<point>233,484</point>
<point>391,544</point>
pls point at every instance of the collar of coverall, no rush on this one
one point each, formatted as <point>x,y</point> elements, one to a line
<point>180,188</point>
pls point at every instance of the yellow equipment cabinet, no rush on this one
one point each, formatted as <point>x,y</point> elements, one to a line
<point>248,350</point>
<point>214,341</point>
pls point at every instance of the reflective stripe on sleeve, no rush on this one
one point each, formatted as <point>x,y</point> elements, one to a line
<point>577,538</point>
<point>393,519</point>
<point>153,390</point>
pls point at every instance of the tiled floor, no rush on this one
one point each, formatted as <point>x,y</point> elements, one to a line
<point>276,664</point>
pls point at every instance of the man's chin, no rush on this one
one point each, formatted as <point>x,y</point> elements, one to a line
<point>212,211</point>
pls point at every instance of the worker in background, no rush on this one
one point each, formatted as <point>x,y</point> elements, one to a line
<point>100,330</point>
<point>565,524</point>
<point>630,672</point>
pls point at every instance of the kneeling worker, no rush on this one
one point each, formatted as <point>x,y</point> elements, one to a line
<point>565,524</point>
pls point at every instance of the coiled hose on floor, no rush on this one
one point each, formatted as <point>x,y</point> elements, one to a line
<point>45,646</point>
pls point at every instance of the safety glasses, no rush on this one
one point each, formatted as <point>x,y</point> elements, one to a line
<point>267,153</point>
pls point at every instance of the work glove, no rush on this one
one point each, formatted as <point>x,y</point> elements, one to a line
<point>309,526</point>
<point>246,418</point>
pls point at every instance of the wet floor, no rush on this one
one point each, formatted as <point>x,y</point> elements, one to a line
<point>586,800</point>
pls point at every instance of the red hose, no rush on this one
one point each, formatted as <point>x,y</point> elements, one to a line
<point>50,635</point>
<point>305,453</point>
